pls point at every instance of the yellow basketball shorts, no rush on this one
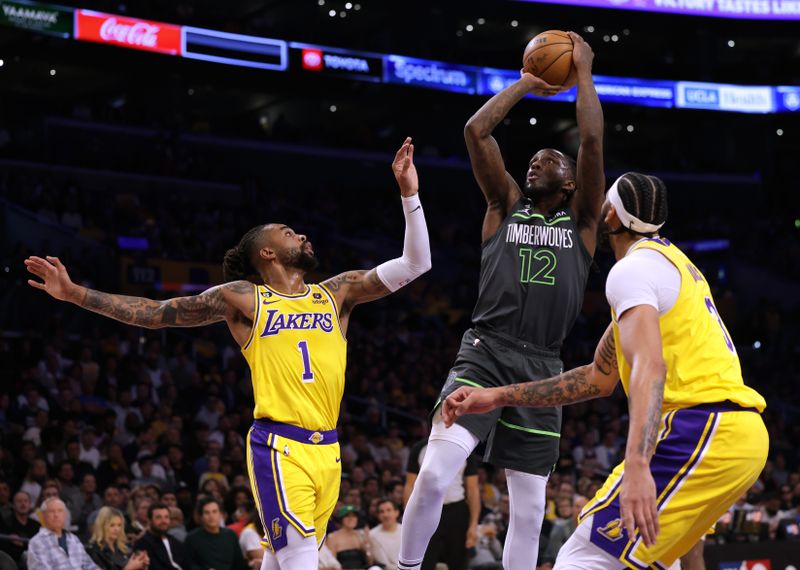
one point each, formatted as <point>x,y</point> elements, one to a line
<point>705,459</point>
<point>295,475</point>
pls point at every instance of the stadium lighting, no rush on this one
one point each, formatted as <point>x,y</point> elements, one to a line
<point>629,128</point>
<point>779,132</point>
<point>333,108</point>
<point>533,121</point>
<point>332,13</point>
<point>348,6</point>
<point>731,43</point>
<point>481,21</point>
<point>514,23</point>
<point>52,72</point>
<point>615,38</point>
<point>470,27</point>
<point>589,29</point>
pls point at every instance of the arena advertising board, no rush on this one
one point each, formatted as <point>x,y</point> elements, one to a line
<point>430,74</point>
<point>743,9</point>
<point>336,62</point>
<point>131,33</point>
<point>38,17</point>
<point>234,49</point>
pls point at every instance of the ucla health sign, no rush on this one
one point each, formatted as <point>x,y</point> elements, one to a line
<point>720,97</point>
<point>744,9</point>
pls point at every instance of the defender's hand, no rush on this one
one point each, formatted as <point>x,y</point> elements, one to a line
<point>404,170</point>
<point>582,54</point>
<point>56,279</point>
<point>637,502</point>
<point>539,86</point>
<point>468,400</point>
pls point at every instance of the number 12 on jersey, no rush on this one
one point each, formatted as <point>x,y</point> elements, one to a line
<point>308,375</point>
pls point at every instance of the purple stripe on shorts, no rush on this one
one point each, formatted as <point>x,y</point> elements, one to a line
<point>275,524</point>
<point>671,455</point>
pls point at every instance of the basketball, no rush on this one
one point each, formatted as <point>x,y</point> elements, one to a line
<point>549,57</point>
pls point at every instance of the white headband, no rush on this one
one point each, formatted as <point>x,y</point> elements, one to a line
<point>629,220</point>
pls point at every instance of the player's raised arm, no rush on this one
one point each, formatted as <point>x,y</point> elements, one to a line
<point>223,302</point>
<point>354,287</point>
<point>587,382</point>
<point>497,185</point>
<point>590,176</point>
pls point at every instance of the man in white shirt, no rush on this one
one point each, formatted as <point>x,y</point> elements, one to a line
<point>53,548</point>
<point>385,537</point>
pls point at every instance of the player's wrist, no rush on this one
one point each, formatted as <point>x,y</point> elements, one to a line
<point>411,200</point>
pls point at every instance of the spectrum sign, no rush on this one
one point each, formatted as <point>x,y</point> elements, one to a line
<point>131,33</point>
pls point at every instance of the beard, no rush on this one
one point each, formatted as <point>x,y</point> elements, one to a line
<point>301,259</point>
<point>603,239</point>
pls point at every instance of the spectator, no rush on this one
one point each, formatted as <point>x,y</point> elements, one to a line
<point>211,545</point>
<point>149,472</point>
<point>164,551</point>
<point>177,528</point>
<point>88,452</point>
<point>564,525</point>
<point>35,478</point>
<point>6,507</point>
<point>385,539</point>
<point>108,546</point>
<point>51,490</point>
<point>87,502</point>
<point>250,537</point>
<point>213,473</point>
<point>20,525</point>
<point>350,546</point>
<point>488,550</point>
<point>112,466</point>
<point>112,497</point>
<point>53,547</point>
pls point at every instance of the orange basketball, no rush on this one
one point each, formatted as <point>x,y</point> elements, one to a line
<point>549,57</point>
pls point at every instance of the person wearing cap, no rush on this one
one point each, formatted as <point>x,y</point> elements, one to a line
<point>696,440</point>
<point>350,545</point>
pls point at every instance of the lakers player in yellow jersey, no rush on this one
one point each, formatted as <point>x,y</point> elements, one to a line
<point>292,335</point>
<point>696,441</point>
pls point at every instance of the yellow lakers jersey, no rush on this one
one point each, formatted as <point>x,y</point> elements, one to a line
<point>701,360</point>
<point>297,355</point>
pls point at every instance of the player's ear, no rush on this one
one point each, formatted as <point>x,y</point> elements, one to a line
<point>611,218</point>
<point>266,253</point>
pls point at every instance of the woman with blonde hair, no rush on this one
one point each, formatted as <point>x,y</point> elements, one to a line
<point>108,546</point>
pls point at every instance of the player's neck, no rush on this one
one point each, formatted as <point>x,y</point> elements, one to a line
<point>622,243</point>
<point>546,205</point>
<point>290,281</point>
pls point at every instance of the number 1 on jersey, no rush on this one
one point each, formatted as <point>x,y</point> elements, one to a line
<point>308,375</point>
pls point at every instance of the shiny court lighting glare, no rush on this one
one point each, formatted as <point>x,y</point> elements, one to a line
<point>757,344</point>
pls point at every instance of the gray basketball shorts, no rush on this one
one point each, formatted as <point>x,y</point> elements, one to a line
<point>522,439</point>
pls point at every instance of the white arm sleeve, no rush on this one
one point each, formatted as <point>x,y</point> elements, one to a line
<point>643,277</point>
<point>416,258</point>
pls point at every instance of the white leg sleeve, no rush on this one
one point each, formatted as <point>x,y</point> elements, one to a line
<point>526,497</point>
<point>269,562</point>
<point>299,553</point>
<point>443,460</point>
<point>416,258</point>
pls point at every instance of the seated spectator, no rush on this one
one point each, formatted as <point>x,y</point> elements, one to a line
<point>211,545</point>
<point>108,546</point>
<point>53,548</point>
<point>19,525</point>
<point>5,500</point>
<point>385,538</point>
<point>87,502</point>
<point>350,546</point>
<point>35,479</point>
<point>213,473</point>
<point>51,490</point>
<point>250,537</point>
<point>177,528</point>
<point>488,550</point>
<point>564,525</point>
<point>164,552</point>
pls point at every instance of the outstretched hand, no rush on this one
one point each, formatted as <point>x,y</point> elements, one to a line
<point>404,170</point>
<point>467,400</point>
<point>50,270</point>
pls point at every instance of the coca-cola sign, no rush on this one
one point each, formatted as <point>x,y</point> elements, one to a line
<point>128,32</point>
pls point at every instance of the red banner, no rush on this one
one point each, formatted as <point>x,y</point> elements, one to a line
<point>131,33</point>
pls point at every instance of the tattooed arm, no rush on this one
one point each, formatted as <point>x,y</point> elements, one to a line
<point>224,302</point>
<point>594,380</point>
<point>497,185</point>
<point>640,337</point>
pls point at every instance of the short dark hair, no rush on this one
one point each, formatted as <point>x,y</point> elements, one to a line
<point>204,501</point>
<point>387,500</point>
<point>155,507</point>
